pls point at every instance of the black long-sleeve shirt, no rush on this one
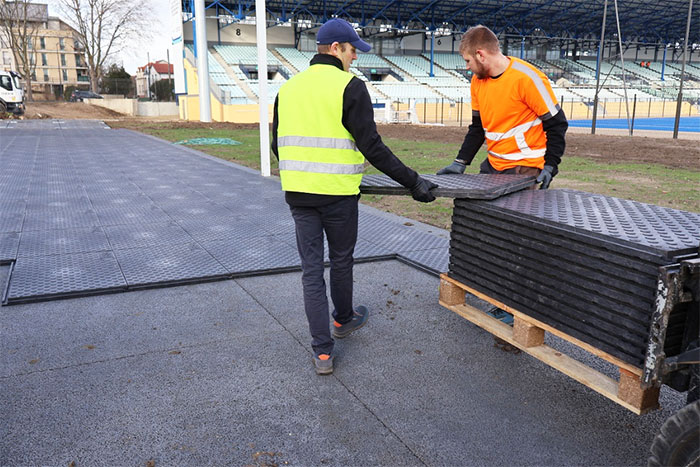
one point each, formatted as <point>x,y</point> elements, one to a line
<point>358,119</point>
<point>555,129</point>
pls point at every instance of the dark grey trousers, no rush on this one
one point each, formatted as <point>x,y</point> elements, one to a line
<point>339,222</point>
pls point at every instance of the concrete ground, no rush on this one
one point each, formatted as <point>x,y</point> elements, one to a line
<point>220,373</point>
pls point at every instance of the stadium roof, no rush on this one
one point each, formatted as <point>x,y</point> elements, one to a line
<point>643,21</point>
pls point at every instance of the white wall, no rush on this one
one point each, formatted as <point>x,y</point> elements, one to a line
<point>242,34</point>
<point>156,109</point>
<point>443,44</point>
<point>124,106</point>
<point>134,107</point>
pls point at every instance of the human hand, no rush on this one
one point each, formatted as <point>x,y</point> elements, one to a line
<point>455,167</point>
<point>421,190</point>
<point>545,177</point>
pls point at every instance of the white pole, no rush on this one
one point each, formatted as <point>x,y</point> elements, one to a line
<point>622,61</point>
<point>261,30</point>
<point>202,61</point>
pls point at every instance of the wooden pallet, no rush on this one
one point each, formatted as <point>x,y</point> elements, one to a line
<point>528,335</point>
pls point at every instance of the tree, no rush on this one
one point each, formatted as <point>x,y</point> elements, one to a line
<point>162,89</point>
<point>117,81</point>
<point>103,28</point>
<point>19,24</point>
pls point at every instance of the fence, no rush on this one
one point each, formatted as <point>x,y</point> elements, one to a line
<point>451,112</point>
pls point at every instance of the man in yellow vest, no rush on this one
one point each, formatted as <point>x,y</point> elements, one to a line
<point>322,130</point>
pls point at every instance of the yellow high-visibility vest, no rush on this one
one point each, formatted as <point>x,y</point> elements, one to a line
<point>317,154</point>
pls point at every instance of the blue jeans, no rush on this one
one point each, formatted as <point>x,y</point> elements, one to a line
<point>339,222</point>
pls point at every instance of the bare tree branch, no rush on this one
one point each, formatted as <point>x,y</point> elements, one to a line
<point>19,24</point>
<point>104,26</point>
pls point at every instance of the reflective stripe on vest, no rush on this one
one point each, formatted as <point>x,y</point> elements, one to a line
<point>317,153</point>
<point>524,154</point>
<point>322,167</point>
<point>513,132</point>
<point>519,134</point>
<point>314,142</point>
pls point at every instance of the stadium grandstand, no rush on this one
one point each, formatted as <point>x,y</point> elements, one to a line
<point>415,68</point>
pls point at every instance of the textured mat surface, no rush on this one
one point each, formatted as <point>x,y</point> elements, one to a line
<point>135,211</point>
<point>473,186</point>
<point>583,263</point>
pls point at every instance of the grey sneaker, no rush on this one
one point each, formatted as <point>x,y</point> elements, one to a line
<point>359,319</point>
<point>323,364</point>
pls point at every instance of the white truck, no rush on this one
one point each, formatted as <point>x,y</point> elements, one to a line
<point>11,93</point>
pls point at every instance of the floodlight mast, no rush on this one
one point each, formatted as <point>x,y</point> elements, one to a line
<point>261,33</point>
<point>685,57</point>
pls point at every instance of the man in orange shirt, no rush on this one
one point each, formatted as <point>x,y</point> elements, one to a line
<point>513,109</point>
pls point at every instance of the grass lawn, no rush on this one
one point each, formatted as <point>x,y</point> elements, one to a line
<point>647,183</point>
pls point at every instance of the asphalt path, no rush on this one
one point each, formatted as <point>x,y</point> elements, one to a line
<point>220,373</point>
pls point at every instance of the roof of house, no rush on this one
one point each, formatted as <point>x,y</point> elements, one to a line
<point>160,67</point>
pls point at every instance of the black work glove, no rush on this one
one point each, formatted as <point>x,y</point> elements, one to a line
<point>456,167</point>
<point>421,190</point>
<point>545,177</point>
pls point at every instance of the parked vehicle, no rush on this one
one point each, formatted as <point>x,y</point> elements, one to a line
<point>78,95</point>
<point>11,93</point>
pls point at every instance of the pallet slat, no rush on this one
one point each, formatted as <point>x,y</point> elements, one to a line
<point>528,335</point>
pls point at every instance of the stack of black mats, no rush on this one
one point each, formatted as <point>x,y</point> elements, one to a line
<point>583,263</point>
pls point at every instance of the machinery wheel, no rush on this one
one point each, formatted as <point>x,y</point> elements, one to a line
<point>3,107</point>
<point>678,443</point>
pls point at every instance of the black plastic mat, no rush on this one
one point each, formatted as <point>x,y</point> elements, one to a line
<point>658,230</point>
<point>473,186</point>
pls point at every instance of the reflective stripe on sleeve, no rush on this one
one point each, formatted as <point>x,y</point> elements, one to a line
<point>321,167</point>
<point>315,142</point>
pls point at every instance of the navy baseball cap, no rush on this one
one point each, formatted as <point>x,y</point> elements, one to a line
<point>339,30</point>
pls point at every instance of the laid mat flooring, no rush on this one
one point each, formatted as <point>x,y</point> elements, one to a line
<point>85,209</point>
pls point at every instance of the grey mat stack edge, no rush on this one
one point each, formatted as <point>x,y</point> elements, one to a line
<point>583,263</point>
<point>472,186</point>
<point>84,210</point>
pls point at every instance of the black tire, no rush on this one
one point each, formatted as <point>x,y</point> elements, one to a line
<point>678,443</point>
<point>3,107</point>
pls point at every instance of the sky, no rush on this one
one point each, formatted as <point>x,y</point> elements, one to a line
<point>135,54</point>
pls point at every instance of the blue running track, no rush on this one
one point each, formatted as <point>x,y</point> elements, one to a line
<point>691,124</point>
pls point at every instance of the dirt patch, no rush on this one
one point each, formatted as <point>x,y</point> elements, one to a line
<point>679,153</point>
<point>69,111</point>
<point>138,123</point>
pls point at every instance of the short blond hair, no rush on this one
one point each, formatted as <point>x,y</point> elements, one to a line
<point>326,48</point>
<point>479,37</point>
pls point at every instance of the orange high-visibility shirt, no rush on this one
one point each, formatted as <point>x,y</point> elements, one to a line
<point>512,108</point>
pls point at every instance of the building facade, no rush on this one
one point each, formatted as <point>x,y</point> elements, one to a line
<point>58,59</point>
<point>150,73</point>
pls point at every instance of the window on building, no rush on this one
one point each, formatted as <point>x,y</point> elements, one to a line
<point>5,82</point>
<point>63,59</point>
<point>6,58</point>
<point>44,60</point>
<point>77,60</point>
<point>29,43</point>
<point>34,75</point>
<point>65,75</point>
<point>46,75</point>
<point>42,41</point>
<point>62,43</point>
